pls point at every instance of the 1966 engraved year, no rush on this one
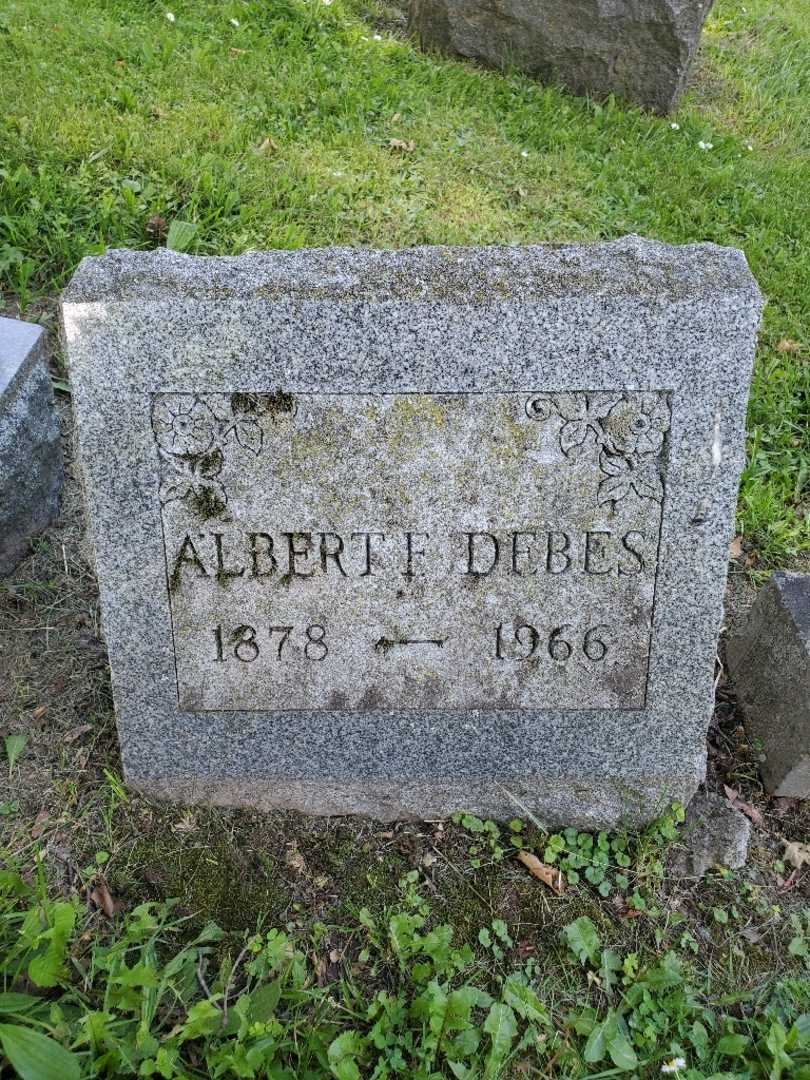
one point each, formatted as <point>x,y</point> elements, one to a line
<point>560,642</point>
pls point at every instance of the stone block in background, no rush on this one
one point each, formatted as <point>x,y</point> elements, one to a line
<point>407,532</point>
<point>640,50</point>
<point>769,664</point>
<point>31,473</point>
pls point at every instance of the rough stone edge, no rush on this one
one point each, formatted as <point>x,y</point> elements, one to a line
<point>793,586</point>
<point>630,266</point>
<point>613,803</point>
<point>711,830</point>
<point>776,599</point>
<point>30,377</point>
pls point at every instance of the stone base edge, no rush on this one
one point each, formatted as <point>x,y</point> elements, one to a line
<point>584,804</point>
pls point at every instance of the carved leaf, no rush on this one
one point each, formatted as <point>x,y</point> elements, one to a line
<point>600,403</point>
<point>249,435</point>
<point>174,489</point>
<point>570,406</point>
<point>648,485</point>
<point>573,434</point>
<point>612,489</point>
<point>181,463</point>
<point>613,464</point>
<point>210,464</point>
<point>210,498</point>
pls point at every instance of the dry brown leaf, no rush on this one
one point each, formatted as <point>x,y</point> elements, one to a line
<point>735,548</point>
<point>787,345</point>
<point>787,883</point>
<point>320,965</point>
<point>40,821</point>
<point>236,52</point>
<point>157,226</point>
<point>294,859</point>
<point>75,733</point>
<point>549,875</point>
<point>186,824</point>
<point>623,908</point>
<point>396,118</point>
<point>39,712</point>
<point>797,854</point>
<point>268,146</point>
<point>401,146</point>
<point>750,812</point>
<point>100,896</point>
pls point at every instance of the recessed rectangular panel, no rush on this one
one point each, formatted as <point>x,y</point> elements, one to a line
<point>411,551</point>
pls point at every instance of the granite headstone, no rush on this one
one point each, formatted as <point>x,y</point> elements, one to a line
<point>31,472</point>
<point>641,50</point>
<point>404,532</point>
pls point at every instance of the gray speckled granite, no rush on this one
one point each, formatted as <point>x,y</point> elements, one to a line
<point>769,663</point>
<point>190,374</point>
<point>31,473</point>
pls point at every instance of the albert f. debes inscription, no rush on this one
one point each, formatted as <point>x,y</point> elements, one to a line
<point>411,551</point>
<point>402,533</point>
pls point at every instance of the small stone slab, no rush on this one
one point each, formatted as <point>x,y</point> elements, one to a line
<point>640,50</point>
<point>713,834</point>
<point>31,473</point>
<point>769,663</point>
<point>400,533</point>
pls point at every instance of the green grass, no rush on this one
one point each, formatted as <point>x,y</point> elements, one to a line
<point>397,992</point>
<point>111,115</point>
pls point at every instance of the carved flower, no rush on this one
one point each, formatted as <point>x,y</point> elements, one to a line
<point>183,424</point>
<point>626,474</point>
<point>193,475</point>
<point>637,425</point>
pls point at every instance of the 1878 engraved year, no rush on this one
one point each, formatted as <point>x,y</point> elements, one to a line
<point>411,551</point>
